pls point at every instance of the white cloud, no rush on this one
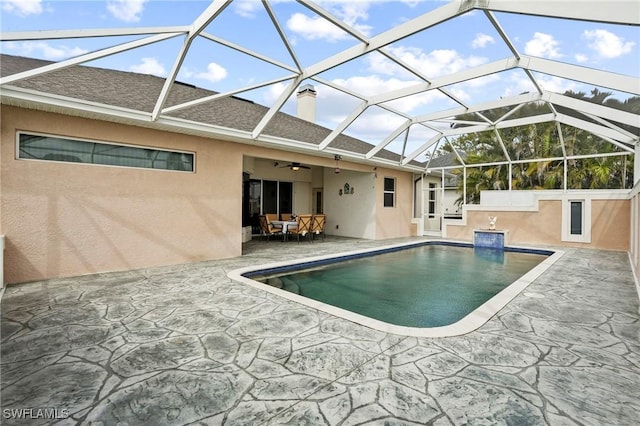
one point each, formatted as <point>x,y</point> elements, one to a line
<point>185,72</point>
<point>246,8</point>
<point>22,7</point>
<point>606,44</point>
<point>372,84</point>
<point>126,10</point>
<point>315,27</point>
<point>580,58</point>
<point>432,64</point>
<point>214,73</point>
<point>542,45</point>
<point>520,83</point>
<point>481,40</point>
<point>45,50</point>
<point>273,92</point>
<point>556,84</point>
<point>149,66</point>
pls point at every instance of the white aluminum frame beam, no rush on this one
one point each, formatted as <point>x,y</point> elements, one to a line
<point>283,37</point>
<point>88,33</point>
<point>345,123</point>
<point>610,80</point>
<point>248,52</point>
<point>397,33</point>
<point>201,22</point>
<point>225,94</point>
<point>596,129</point>
<point>601,111</point>
<point>335,21</point>
<point>91,56</point>
<point>625,12</point>
<point>619,12</point>
<point>533,160</point>
<point>389,139</point>
<point>286,93</point>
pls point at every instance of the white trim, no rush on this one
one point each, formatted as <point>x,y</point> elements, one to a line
<point>636,278</point>
<point>585,236</point>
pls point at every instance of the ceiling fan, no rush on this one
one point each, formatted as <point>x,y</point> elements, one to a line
<point>295,166</point>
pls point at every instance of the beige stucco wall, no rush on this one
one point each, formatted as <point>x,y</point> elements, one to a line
<point>67,219</point>
<point>635,233</point>
<point>394,221</point>
<point>350,215</point>
<point>63,219</point>
<point>609,225</point>
<point>610,221</point>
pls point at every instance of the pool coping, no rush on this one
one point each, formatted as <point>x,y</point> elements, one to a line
<point>469,323</point>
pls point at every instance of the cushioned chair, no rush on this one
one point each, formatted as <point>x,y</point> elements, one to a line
<point>271,217</point>
<point>303,228</point>
<point>267,227</point>
<point>285,216</point>
<point>317,225</point>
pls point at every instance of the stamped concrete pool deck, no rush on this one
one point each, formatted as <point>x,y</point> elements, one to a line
<point>188,345</point>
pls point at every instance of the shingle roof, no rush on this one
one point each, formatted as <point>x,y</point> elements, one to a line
<point>140,92</point>
<point>445,160</point>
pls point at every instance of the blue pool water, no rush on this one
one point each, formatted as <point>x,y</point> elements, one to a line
<point>426,286</point>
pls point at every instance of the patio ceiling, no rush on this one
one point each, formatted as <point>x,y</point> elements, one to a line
<point>416,132</point>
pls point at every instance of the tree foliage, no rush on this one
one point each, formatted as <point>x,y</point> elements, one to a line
<point>542,142</point>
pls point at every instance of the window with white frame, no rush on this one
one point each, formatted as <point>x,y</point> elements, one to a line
<point>389,192</point>
<point>432,200</point>
<point>576,220</point>
<point>61,149</point>
<point>576,217</point>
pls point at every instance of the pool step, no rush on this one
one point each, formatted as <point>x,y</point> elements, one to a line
<point>274,282</point>
<point>284,284</point>
<point>290,285</point>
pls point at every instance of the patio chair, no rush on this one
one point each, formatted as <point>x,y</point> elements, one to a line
<point>267,227</point>
<point>303,228</point>
<point>317,225</point>
<point>271,217</point>
<point>285,216</point>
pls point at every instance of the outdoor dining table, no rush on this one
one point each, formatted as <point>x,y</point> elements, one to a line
<point>285,225</point>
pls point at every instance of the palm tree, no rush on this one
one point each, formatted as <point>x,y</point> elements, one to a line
<point>541,141</point>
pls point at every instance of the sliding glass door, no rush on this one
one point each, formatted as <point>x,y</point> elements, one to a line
<point>265,196</point>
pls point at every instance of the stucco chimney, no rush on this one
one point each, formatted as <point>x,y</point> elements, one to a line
<point>307,103</point>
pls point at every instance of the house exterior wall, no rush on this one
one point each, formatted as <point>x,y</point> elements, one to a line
<point>610,220</point>
<point>65,219</point>
<point>68,219</point>
<point>394,221</point>
<point>634,234</point>
<point>350,215</point>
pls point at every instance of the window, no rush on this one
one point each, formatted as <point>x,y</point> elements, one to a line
<point>575,217</point>
<point>269,196</point>
<point>576,220</point>
<point>432,200</point>
<point>389,192</point>
<point>52,148</point>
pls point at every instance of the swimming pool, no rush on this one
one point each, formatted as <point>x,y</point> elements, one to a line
<point>427,289</point>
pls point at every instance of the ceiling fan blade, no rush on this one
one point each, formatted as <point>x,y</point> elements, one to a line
<point>294,164</point>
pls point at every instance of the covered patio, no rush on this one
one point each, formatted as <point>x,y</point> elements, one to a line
<point>187,345</point>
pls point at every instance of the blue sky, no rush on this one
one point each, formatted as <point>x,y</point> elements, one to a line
<point>455,45</point>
